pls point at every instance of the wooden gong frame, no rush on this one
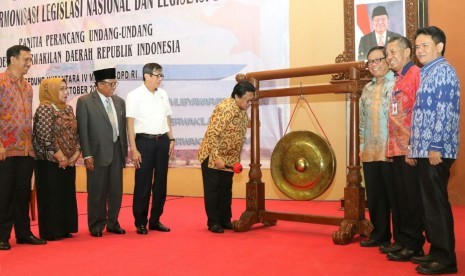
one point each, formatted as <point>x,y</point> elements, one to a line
<point>354,221</point>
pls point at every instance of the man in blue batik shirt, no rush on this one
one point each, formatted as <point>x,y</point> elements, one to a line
<point>434,143</point>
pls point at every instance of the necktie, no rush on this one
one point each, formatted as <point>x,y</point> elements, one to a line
<point>111,116</point>
<point>381,40</point>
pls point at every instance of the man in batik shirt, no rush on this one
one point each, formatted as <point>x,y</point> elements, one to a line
<point>434,144</point>
<point>220,149</point>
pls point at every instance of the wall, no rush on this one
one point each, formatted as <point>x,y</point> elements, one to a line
<point>449,17</point>
<point>309,45</point>
<point>316,37</point>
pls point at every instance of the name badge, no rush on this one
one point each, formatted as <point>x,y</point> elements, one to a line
<point>394,108</point>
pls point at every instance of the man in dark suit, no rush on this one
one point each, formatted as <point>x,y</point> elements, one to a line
<point>101,117</point>
<point>380,34</point>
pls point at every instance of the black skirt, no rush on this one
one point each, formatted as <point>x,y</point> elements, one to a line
<point>56,200</point>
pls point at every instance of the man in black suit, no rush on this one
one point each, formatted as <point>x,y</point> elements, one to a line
<point>380,34</point>
<point>101,117</point>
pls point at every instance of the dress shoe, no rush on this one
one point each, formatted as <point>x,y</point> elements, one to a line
<point>50,238</point>
<point>404,255</point>
<point>372,243</point>
<point>159,227</point>
<point>435,268</point>
<point>31,240</point>
<point>142,230</point>
<point>119,230</point>
<point>96,234</point>
<point>216,229</point>
<point>392,247</point>
<point>5,245</point>
<point>422,260</point>
<point>67,236</point>
<point>228,225</point>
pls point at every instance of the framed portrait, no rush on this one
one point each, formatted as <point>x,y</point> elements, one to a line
<point>376,22</point>
<point>369,23</point>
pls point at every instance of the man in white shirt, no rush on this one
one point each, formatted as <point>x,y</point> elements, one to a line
<point>151,142</point>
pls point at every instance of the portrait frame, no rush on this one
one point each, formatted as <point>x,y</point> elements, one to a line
<point>410,24</point>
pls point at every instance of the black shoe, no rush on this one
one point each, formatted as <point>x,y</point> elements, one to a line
<point>96,234</point>
<point>31,240</point>
<point>50,238</point>
<point>67,236</point>
<point>216,229</point>
<point>5,245</point>
<point>228,225</point>
<point>372,243</point>
<point>118,230</point>
<point>159,227</point>
<point>404,255</point>
<point>142,230</point>
<point>392,247</point>
<point>422,260</point>
<point>435,268</point>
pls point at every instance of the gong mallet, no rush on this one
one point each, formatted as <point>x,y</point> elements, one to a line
<point>237,167</point>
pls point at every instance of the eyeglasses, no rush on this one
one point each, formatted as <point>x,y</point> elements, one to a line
<point>112,84</point>
<point>249,102</point>
<point>157,75</point>
<point>375,61</point>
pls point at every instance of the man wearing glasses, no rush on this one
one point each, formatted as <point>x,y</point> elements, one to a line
<point>152,143</point>
<point>102,132</point>
<point>220,150</point>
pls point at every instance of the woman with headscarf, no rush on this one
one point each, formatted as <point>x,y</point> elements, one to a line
<point>56,144</point>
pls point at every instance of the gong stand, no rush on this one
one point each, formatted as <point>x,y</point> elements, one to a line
<point>354,220</point>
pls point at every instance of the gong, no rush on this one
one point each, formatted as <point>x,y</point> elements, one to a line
<point>302,165</point>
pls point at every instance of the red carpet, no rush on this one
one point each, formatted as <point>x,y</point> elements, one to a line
<point>289,248</point>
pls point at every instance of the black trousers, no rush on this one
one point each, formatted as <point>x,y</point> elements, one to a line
<point>151,177</point>
<point>15,194</point>
<point>56,199</point>
<point>439,222</point>
<point>409,205</point>
<point>217,189</point>
<point>105,193</point>
<point>379,178</point>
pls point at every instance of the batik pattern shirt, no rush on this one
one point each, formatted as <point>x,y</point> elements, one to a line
<point>400,110</point>
<point>436,113</point>
<point>15,115</point>
<point>225,134</point>
<point>374,106</point>
<point>54,130</point>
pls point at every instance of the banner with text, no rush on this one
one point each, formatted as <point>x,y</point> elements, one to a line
<point>201,44</point>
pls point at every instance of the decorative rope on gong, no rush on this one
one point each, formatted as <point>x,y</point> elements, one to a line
<point>313,113</point>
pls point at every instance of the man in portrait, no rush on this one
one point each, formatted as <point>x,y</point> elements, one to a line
<point>380,34</point>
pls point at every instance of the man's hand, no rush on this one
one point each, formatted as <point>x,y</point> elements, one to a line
<point>89,162</point>
<point>435,157</point>
<point>171,148</point>
<point>136,158</point>
<point>219,163</point>
<point>2,154</point>
<point>411,161</point>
